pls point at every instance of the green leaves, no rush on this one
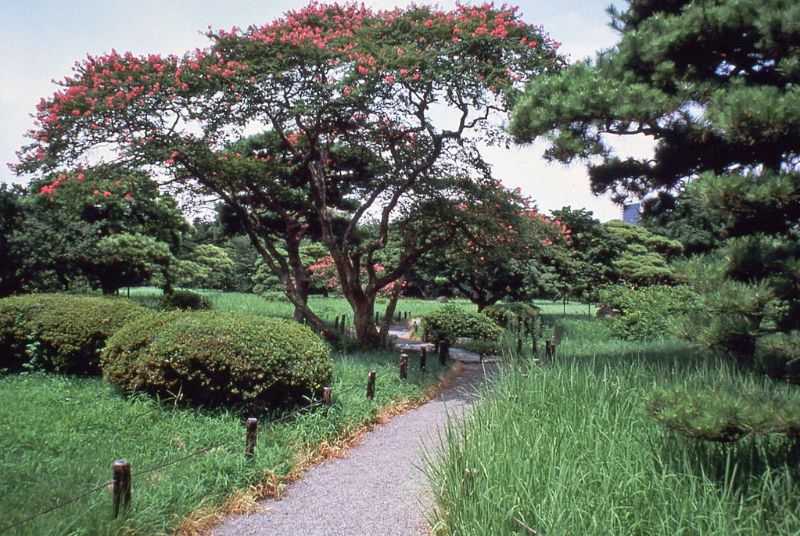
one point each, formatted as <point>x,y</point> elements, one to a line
<point>215,358</point>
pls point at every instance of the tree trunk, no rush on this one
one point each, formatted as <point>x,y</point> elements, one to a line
<point>390,308</point>
<point>364,321</point>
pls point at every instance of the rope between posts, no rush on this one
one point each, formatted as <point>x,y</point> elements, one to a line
<point>197,453</point>
<point>56,507</point>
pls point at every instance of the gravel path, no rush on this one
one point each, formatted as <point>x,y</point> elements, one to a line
<point>378,489</point>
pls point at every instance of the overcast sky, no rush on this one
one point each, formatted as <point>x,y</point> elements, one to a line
<point>40,40</point>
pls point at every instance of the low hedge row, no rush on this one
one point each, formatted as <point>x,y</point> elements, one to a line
<point>451,322</point>
<point>200,357</point>
<point>60,332</point>
<point>218,359</point>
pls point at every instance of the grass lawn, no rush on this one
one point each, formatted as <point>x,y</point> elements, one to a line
<point>567,448</point>
<point>59,436</point>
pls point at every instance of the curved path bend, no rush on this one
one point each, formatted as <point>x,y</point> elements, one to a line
<point>379,488</point>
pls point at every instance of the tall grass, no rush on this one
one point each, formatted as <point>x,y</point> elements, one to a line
<point>567,448</point>
<point>59,436</point>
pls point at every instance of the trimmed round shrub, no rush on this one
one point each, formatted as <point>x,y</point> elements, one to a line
<point>218,359</point>
<point>184,300</point>
<point>60,332</point>
<point>450,322</point>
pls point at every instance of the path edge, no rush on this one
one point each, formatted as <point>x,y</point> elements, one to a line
<point>201,521</point>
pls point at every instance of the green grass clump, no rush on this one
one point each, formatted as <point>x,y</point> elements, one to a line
<point>568,448</point>
<point>64,433</point>
<point>213,358</point>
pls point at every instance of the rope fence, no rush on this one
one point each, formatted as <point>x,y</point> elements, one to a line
<point>123,476</point>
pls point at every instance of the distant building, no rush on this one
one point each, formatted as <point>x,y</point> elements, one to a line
<point>632,213</point>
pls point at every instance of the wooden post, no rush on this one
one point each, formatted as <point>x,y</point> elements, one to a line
<point>444,352</point>
<point>423,357</point>
<point>252,433</point>
<point>371,384</point>
<point>377,318</point>
<point>533,344</point>
<point>403,366</point>
<point>326,396</point>
<point>122,485</point>
<point>549,349</point>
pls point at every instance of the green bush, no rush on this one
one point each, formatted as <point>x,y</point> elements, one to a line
<point>60,332</point>
<point>726,416</point>
<point>184,300</point>
<point>513,314</point>
<point>450,322</point>
<point>647,312</point>
<point>218,359</point>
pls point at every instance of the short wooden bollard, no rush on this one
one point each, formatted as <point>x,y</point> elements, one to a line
<point>371,384</point>
<point>423,357</point>
<point>403,366</point>
<point>326,396</point>
<point>444,352</point>
<point>122,485</point>
<point>252,434</point>
<point>549,349</point>
<point>533,345</point>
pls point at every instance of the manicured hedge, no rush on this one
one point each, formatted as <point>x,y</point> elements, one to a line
<point>185,300</point>
<point>218,359</point>
<point>451,322</point>
<point>60,332</point>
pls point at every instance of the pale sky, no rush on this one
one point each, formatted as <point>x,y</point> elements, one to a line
<point>40,40</point>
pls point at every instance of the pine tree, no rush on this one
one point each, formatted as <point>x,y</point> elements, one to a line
<point>715,84</point>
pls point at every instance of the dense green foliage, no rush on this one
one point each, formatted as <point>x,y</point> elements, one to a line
<point>648,312</point>
<point>218,359</point>
<point>715,84</point>
<point>103,228</point>
<point>184,299</point>
<point>567,448</point>
<point>60,332</point>
<point>451,322</point>
<point>509,314</point>
<point>722,415</point>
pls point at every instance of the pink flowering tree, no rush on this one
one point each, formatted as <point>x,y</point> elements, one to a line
<point>110,226</point>
<point>405,96</point>
<point>499,249</point>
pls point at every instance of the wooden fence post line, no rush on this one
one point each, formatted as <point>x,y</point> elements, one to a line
<point>326,396</point>
<point>403,366</point>
<point>122,485</point>
<point>252,433</point>
<point>423,357</point>
<point>371,384</point>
